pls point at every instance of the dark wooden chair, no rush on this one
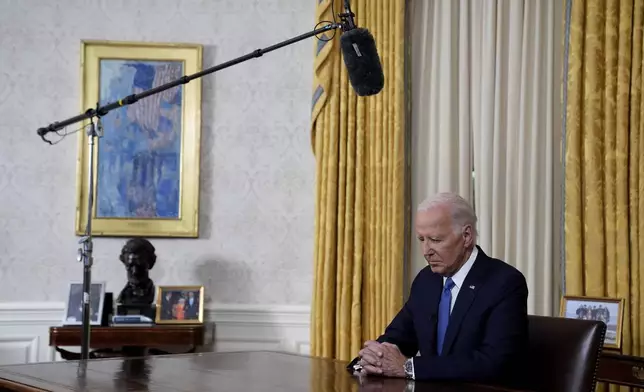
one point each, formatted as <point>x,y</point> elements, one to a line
<point>563,354</point>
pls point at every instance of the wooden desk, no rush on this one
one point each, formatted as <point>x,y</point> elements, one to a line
<point>134,341</point>
<point>244,371</point>
<point>621,369</point>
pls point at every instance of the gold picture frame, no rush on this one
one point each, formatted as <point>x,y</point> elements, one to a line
<point>146,166</point>
<point>175,307</point>
<point>609,310</point>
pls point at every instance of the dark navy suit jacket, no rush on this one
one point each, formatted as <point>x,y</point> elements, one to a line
<point>488,327</point>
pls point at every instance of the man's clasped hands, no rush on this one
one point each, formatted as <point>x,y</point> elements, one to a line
<point>384,359</point>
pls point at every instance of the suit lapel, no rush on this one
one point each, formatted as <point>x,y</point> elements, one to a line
<point>466,295</point>
<point>434,295</point>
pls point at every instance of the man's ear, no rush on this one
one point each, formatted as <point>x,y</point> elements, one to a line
<point>468,237</point>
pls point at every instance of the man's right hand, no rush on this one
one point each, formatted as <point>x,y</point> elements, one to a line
<point>371,357</point>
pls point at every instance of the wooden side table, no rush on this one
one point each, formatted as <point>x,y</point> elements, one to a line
<point>128,341</point>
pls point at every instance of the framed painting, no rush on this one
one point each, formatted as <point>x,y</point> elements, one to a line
<point>179,305</point>
<point>608,310</point>
<point>146,163</point>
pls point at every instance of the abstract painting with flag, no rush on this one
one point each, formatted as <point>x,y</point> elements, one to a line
<point>147,161</point>
<point>138,165</point>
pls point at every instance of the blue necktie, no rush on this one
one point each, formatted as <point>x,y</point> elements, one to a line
<point>443,313</point>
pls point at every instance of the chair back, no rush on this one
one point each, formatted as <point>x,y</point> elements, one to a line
<point>564,353</point>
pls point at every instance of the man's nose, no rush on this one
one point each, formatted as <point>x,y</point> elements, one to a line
<point>427,248</point>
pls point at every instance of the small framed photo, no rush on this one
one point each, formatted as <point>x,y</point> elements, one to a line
<point>179,305</point>
<point>608,310</point>
<point>74,306</point>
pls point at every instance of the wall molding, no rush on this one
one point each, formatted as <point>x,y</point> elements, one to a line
<point>296,315</point>
<point>27,345</point>
<point>28,313</point>
<point>24,328</point>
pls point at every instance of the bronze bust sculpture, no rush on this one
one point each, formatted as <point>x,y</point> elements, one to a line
<point>138,257</point>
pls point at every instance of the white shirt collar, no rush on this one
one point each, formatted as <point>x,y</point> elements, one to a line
<point>461,274</point>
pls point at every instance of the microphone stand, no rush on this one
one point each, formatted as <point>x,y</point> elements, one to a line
<point>85,252</point>
<point>87,247</point>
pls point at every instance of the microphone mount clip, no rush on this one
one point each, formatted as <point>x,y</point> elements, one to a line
<point>347,18</point>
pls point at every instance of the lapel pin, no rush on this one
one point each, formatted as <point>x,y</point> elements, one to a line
<point>472,287</point>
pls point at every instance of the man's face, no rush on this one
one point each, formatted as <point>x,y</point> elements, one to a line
<point>137,267</point>
<point>443,247</point>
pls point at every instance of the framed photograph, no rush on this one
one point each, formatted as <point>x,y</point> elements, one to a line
<point>179,305</point>
<point>74,305</point>
<point>608,310</point>
<point>147,161</point>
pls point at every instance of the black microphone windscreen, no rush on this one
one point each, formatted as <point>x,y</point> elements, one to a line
<point>362,61</point>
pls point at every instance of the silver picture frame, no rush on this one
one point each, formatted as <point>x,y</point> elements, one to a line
<point>73,314</point>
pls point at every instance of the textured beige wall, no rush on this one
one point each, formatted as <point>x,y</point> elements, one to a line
<point>257,185</point>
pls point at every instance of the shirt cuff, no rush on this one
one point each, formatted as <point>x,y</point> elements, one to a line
<point>413,373</point>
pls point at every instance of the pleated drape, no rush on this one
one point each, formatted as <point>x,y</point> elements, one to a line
<point>486,81</point>
<point>359,145</point>
<point>604,199</point>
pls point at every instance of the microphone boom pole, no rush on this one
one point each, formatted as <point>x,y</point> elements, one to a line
<point>94,132</point>
<point>101,111</point>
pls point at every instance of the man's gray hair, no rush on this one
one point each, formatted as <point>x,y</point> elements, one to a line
<point>462,212</point>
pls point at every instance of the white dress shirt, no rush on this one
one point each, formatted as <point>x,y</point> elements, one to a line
<point>460,275</point>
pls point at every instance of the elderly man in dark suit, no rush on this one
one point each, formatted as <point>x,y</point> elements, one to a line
<point>466,316</point>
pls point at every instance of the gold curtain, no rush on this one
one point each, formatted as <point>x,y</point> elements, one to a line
<point>359,145</point>
<point>604,158</point>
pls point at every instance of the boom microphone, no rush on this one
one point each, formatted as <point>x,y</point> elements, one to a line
<point>358,50</point>
<point>360,56</point>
